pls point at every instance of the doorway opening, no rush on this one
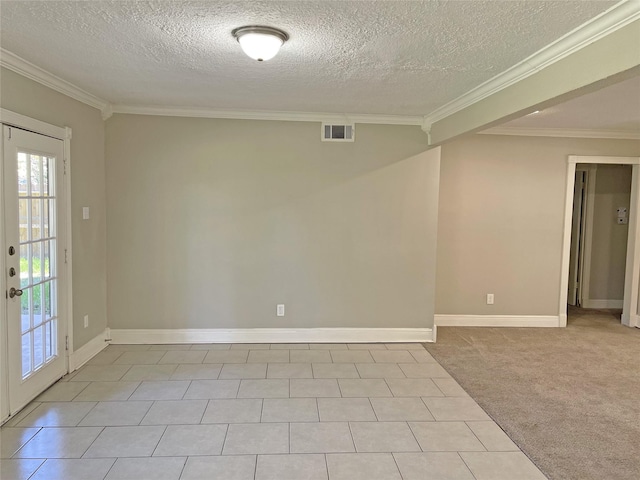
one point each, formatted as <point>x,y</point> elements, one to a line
<point>599,234</point>
<point>601,250</point>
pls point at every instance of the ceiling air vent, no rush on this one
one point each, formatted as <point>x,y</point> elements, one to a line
<point>338,133</point>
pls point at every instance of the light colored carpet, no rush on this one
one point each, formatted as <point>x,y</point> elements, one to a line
<point>570,398</point>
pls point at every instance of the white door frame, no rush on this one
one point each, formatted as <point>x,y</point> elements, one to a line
<point>578,219</point>
<point>7,117</point>
<point>587,230</point>
<point>630,315</point>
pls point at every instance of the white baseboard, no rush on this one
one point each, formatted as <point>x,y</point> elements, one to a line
<point>562,319</point>
<point>446,320</point>
<point>604,303</point>
<point>271,335</point>
<point>88,351</point>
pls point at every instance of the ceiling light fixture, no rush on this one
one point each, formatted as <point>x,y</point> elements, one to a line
<point>260,43</point>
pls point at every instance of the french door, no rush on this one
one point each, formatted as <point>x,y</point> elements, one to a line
<point>34,208</point>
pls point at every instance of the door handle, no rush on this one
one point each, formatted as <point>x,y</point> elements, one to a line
<point>15,292</point>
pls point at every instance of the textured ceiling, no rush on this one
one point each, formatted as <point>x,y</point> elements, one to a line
<point>371,57</point>
<point>614,108</point>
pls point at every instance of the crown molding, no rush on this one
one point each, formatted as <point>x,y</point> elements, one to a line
<point>267,115</point>
<point>563,132</point>
<point>27,69</point>
<point>618,16</point>
<point>107,112</point>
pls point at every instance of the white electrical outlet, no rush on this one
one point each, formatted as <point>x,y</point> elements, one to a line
<point>489,298</point>
<point>86,321</point>
<point>280,310</point>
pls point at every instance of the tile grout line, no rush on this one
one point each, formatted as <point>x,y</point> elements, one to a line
<point>110,468</point>
<point>373,409</point>
<point>261,409</point>
<point>203,412</point>
<point>331,356</point>
<point>147,411</point>
<point>166,427</point>
<point>226,434</point>
<point>163,355</point>
<point>39,467</point>
<point>186,390</point>
<point>326,465</point>
<point>438,387</point>
<point>466,465</point>
<point>353,442</point>
<point>414,435</point>
<point>21,446</point>
<point>478,438</point>
<point>102,429</point>
<point>86,414</point>
<point>255,467</point>
<point>393,395</point>
<point>184,465</point>
<point>396,462</point>
<point>77,394</point>
<point>428,409</point>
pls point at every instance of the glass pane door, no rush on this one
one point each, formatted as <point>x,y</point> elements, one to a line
<point>32,167</point>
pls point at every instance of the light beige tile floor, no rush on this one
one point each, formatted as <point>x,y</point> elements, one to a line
<point>259,412</point>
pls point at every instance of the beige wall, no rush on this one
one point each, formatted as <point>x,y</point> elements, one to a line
<point>609,240</point>
<point>211,223</point>
<point>501,221</point>
<point>214,222</point>
<point>32,99</point>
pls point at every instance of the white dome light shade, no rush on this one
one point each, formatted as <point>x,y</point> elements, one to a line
<point>260,46</point>
<point>260,43</point>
